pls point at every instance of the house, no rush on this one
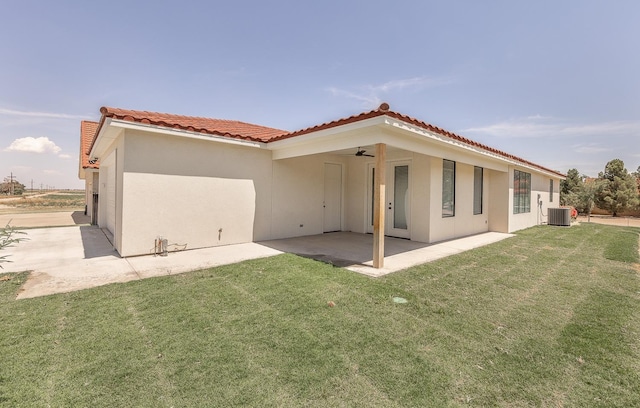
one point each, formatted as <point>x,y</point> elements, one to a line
<point>201,182</point>
<point>88,169</point>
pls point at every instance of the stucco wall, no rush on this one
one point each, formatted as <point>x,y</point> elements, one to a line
<point>464,222</point>
<point>190,211</point>
<point>498,200</point>
<point>420,197</point>
<point>195,192</point>
<point>298,195</point>
<point>538,214</point>
<point>113,159</point>
<point>356,195</point>
<point>91,186</point>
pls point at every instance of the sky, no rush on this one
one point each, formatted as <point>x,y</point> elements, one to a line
<point>554,82</point>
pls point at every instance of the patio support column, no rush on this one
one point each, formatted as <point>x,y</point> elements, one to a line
<point>379,200</point>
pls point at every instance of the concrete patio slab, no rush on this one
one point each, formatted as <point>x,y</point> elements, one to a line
<point>355,251</point>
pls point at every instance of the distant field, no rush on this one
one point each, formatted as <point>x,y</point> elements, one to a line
<point>46,202</point>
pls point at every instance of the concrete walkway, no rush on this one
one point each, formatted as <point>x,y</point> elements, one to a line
<point>72,258</point>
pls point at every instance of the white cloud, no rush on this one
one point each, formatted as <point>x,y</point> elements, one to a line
<point>591,148</point>
<point>539,126</point>
<point>368,100</point>
<point>49,115</point>
<point>64,156</point>
<point>371,95</point>
<point>54,172</point>
<point>33,145</point>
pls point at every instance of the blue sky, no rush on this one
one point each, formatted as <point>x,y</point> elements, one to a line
<point>555,82</point>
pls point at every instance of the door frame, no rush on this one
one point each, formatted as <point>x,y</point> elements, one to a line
<point>342,193</point>
<point>389,191</point>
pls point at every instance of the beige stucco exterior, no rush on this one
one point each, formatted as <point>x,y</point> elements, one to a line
<point>199,191</point>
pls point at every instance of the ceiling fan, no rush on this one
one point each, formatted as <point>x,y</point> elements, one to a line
<point>361,152</point>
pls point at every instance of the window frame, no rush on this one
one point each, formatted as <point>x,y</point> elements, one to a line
<point>550,190</point>
<point>521,192</point>
<point>477,201</point>
<point>448,206</point>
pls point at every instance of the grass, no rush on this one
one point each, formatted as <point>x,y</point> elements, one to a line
<point>550,317</point>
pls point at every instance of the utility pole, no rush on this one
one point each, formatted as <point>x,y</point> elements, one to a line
<point>31,186</point>
<point>11,183</point>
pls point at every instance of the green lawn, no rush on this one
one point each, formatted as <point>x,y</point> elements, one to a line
<point>550,317</point>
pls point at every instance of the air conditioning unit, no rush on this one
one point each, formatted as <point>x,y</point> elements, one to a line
<point>559,216</point>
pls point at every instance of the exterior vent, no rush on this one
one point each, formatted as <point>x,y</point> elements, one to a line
<point>560,217</point>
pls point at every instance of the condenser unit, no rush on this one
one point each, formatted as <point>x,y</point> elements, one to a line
<point>559,216</point>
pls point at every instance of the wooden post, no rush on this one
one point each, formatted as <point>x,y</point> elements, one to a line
<point>379,200</point>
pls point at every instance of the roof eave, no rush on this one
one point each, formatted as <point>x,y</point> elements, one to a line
<point>115,126</point>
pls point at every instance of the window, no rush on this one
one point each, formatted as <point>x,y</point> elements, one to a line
<point>551,190</point>
<point>448,188</point>
<point>521,192</point>
<point>477,190</point>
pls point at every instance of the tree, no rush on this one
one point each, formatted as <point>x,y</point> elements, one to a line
<point>586,196</point>
<point>570,186</point>
<point>617,189</point>
<point>636,174</point>
<point>11,186</point>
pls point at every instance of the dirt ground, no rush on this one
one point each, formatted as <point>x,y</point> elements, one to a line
<point>609,220</point>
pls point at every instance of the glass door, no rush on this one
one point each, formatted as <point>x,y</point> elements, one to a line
<point>397,203</point>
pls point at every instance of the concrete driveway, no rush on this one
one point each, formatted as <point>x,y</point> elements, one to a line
<point>49,219</point>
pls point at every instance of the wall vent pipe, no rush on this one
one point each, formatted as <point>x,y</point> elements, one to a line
<point>161,246</point>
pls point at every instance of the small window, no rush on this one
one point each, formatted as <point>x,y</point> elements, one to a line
<point>521,192</point>
<point>477,190</point>
<point>551,190</point>
<point>448,188</point>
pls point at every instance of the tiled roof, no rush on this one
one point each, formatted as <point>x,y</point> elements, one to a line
<point>383,110</point>
<point>87,134</point>
<point>219,127</point>
<point>246,131</point>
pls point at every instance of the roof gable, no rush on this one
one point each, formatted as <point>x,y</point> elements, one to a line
<point>87,135</point>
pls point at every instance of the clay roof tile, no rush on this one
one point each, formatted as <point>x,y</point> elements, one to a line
<point>87,134</point>
<point>246,131</point>
<point>219,127</point>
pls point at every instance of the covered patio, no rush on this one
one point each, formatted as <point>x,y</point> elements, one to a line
<point>380,175</point>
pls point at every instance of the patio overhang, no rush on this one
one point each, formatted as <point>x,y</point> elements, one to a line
<point>395,134</point>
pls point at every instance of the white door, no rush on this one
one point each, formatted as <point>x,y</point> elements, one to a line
<point>397,199</point>
<point>332,197</point>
